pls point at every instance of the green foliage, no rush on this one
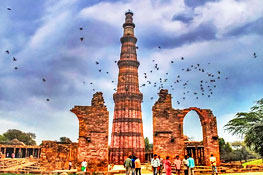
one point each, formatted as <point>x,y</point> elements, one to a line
<point>27,138</point>
<point>250,126</point>
<point>2,138</point>
<point>65,140</point>
<point>253,162</point>
<point>237,151</point>
<point>225,150</point>
<point>148,146</point>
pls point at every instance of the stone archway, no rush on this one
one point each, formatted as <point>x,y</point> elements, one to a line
<point>168,137</point>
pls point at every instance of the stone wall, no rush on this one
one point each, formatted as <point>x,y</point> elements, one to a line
<point>56,155</point>
<point>168,137</point>
<point>93,133</point>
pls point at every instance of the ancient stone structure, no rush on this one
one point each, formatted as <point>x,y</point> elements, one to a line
<point>168,138</point>
<point>19,149</point>
<point>57,155</point>
<point>93,133</point>
<point>127,129</point>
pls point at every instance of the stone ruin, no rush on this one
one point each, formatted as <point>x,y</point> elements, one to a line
<point>93,133</point>
<point>168,137</point>
<point>92,143</point>
<point>56,155</point>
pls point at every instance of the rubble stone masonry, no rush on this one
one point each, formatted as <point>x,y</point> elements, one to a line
<point>168,137</point>
<point>93,133</point>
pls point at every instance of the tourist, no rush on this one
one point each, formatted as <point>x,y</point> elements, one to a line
<point>69,165</point>
<point>178,164</point>
<point>213,164</point>
<point>161,165</point>
<point>128,165</point>
<point>168,166</point>
<point>185,165</point>
<point>133,165</point>
<point>138,166</point>
<point>84,165</point>
<point>191,165</point>
<point>13,155</point>
<point>155,164</point>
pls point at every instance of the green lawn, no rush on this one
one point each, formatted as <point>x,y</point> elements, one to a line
<point>253,162</point>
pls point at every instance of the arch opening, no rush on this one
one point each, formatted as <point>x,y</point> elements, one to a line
<point>193,136</point>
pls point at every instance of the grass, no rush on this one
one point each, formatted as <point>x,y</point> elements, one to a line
<point>253,162</point>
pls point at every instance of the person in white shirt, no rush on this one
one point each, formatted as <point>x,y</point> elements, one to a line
<point>185,167</point>
<point>213,164</point>
<point>155,164</point>
<point>84,165</point>
<point>161,165</point>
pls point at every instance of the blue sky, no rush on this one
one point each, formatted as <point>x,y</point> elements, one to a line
<point>44,38</point>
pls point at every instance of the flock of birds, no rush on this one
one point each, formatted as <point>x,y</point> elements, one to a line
<point>207,84</point>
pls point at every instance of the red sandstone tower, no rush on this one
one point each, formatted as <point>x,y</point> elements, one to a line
<point>127,129</point>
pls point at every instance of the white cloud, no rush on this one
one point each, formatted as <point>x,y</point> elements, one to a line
<point>228,14</point>
<point>152,14</point>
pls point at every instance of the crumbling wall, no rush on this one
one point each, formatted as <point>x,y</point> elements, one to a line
<point>93,133</point>
<point>168,138</point>
<point>56,155</point>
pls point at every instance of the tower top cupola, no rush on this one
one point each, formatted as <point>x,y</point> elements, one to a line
<point>128,19</point>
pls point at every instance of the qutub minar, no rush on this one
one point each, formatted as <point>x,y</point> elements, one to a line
<point>127,129</point>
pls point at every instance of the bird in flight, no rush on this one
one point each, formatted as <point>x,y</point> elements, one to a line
<point>44,80</point>
<point>81,39</point>
<point>16,68</point>
<point>80,28</point>
<point>9,9</point>
<point>7,51</point>
<point>255,55</point>
<point>14,59</point>
<point>48,99</point>
<point>182,58</point>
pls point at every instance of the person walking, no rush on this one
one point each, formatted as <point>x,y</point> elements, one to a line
<point>133,165</point>
<point>185,165</point>
<point>128,165</point>
<point>161,165</point>
<point>84,165</point>
<point>178,164</point>
<point>155,164</point>
<point>137,166</point>
<point>213,164</point>
<point>191,165</point>
<point>168,166</point>
<point>69,165</point>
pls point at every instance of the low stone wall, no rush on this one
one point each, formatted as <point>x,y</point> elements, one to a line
<point>56,155</point>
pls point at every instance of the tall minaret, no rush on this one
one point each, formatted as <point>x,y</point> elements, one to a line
<point>127,129</point>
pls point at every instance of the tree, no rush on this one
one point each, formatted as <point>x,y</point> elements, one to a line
<point>241,151</point>
<point>225,150</point>
<point>26,138</point>
<point>250,126</point>
<point>2,138</point>
<point>65,140</point>
<point>148,146</point>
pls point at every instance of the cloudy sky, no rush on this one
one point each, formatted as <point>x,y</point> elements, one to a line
<point>44,37</point>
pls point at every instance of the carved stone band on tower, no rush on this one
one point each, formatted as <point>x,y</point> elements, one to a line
<point>127,128</point>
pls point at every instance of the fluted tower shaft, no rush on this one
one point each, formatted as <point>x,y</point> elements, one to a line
<point>127,129</point>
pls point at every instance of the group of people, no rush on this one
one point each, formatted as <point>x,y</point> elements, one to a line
<point>158,164</point>
<point>187,164</point>
<point>132,164</point>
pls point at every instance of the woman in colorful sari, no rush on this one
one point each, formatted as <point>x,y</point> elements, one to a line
<point>167,165</point>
